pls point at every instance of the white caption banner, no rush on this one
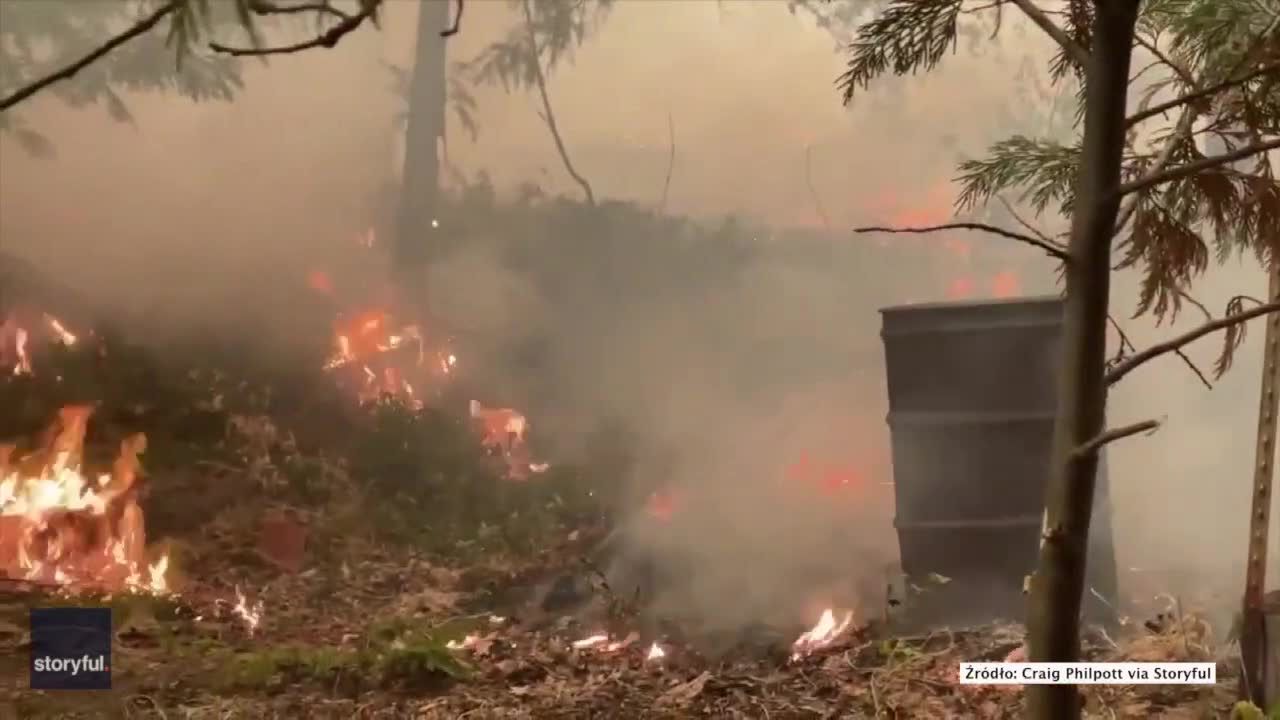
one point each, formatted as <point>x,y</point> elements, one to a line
<point>1085,673</point>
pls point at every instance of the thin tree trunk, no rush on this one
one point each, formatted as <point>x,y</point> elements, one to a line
<point>1059,582</point>
<point>419,183</point>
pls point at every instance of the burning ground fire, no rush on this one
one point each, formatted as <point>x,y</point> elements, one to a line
<point>60,527</point>
<point>17,334</point>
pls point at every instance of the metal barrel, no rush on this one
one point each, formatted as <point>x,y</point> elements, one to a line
<point>972,389</point>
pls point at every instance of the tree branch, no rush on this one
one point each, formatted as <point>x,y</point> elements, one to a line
<point>1132,362</point>
<point>457,21</point>
<point>1192,168</point>
<point>1181,131</point>
<point>327,39</point>
<point>1078,54</point>
<point>1052,249</point>
<point>548,116</point>
<point>1195,95</point>
<point>671,163</point>
<point>1110,436</point>
<point>813,192</point>
<point>139,28</point>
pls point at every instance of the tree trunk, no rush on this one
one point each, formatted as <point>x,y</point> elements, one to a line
<point>1058,586</point>
<point>419,183</point>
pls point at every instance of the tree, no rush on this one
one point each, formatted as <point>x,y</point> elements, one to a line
<point>1151,194</point>
<point>549,32</point>
<point>40,40</point>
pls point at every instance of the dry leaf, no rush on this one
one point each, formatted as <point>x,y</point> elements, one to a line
<point>684,693</point>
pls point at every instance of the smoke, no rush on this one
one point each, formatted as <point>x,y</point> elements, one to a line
<point>209,216</point>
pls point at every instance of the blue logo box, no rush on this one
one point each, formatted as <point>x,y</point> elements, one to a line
<point>70,648</point>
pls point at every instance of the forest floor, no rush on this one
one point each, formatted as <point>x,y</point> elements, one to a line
<point>325,613</point>
<point>368,634</point>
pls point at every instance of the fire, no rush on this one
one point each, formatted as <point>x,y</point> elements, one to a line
<point>603,643</point>
<point>369,340</point>
<point>655,652</point>
<point>1006,285</point>
<point>502,432</point>
<point>16,336</point>
<point>822,634</point>
<point>960,288</point>
<point>250,613</point>
<point>61,527</point>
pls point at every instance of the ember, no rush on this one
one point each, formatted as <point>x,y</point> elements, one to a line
<point>57,526</point>
<point>502,433</point>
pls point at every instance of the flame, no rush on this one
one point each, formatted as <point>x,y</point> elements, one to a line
<point>59,526</point>
<point>591,641</point>
<point>1006,285</point>
<point>960,288</point>
<point>64,335</point>
<point>467,642</point>
<point>822,634</point>
<point>655,653</point>
<point>502,433</point>
<point>663,504</point>
<point>251,614</point>
<point>320,281</point>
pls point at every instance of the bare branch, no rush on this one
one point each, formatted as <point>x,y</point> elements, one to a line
<point>1051,248</point>
<point>671,163</point>
<point>1078,54</point>
<point>1191,97</point>
<point>1131,363</point>
<point>547,115</point>
<point>1126,346</point>
<point>1192,168</point>
<point>1159,55</point>
<point>327,39</point>
<point>813,192</point>
<point>1030,228</point>
<point>1110,436</point>
<point>457,21</point>
<point>68,72</point>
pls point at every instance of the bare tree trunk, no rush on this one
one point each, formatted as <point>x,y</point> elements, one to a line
<point>1058,586</point>
<point>420,180</point>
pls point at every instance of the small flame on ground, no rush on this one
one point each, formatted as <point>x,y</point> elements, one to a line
<point>821,634</point>
<point>469,641</point>
<point>655,652</point>
<point>590,641</point>
<point>250,614</point>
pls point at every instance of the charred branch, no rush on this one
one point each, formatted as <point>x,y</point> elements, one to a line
<point>1191,168</point>
<point>1110,436</point>
<point>263,7</point>
<point>1051,248</point>
<point>1132,362</point>
<point>140,28</point>
<point>327,39</point>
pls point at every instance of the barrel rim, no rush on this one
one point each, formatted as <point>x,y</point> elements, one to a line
<point>1032,300</point>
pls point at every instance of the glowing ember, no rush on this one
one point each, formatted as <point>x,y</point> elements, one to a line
<point>57,526</point>
<point>591,641</point>
<point>64,335</point>
<point>466,642</point>
<point>825,632</point>
<point>655,653</point>
<point>250,614</point>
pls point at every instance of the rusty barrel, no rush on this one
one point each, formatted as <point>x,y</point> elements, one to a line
<point>972,389</point>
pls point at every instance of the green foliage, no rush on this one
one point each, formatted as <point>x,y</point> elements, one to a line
<point>40,38</point>
<point>907,37</point>
<point>1171,230</point>
<point>556,29</point>
<point>408,661</point>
